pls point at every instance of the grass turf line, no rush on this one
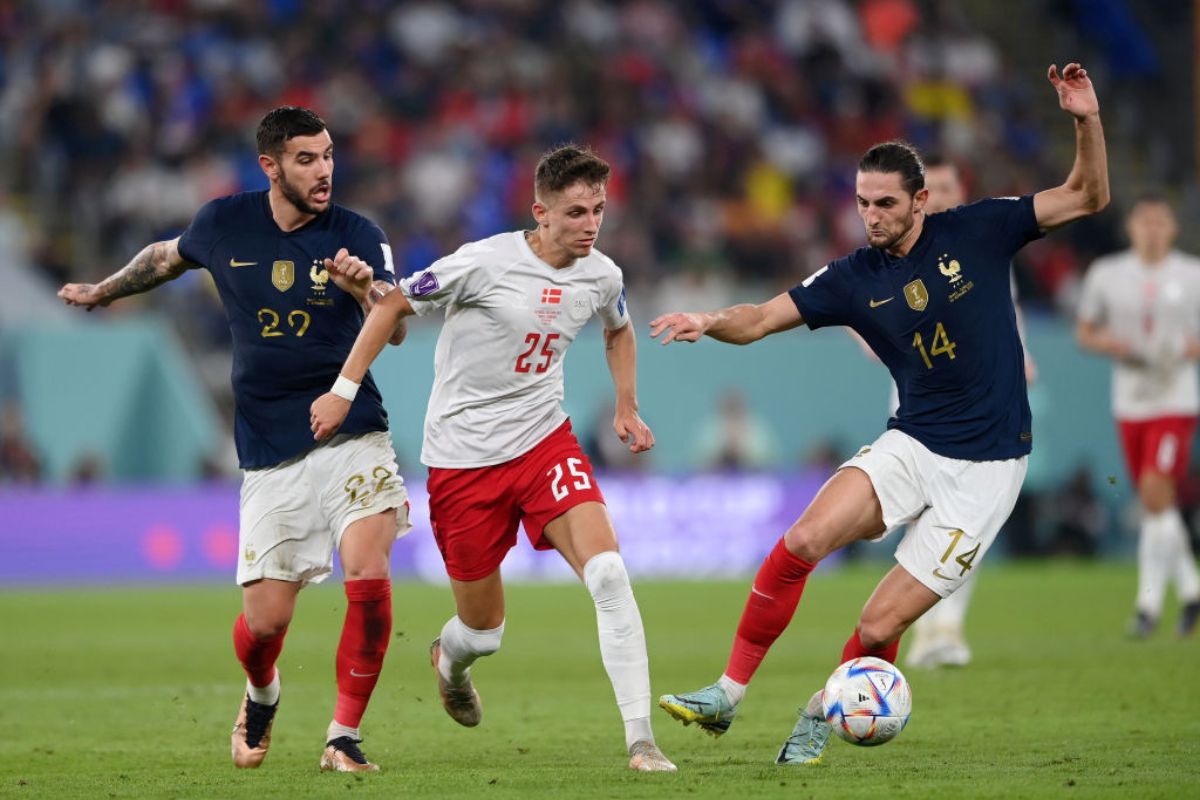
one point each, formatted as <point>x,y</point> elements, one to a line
<point>131,693</point>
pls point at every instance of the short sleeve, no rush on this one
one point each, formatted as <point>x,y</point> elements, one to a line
<point>823,297</point>
<point>1091,296</point>
<point>197,241</point>
<point>371,245</point>
<point>615,311</point>
<point>1009,222</point>
<point>448,280</point>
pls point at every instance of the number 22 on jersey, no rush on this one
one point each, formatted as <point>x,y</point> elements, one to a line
<point>539,362</point>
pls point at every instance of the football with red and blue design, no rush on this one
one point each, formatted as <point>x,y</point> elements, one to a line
<point>867,701</point>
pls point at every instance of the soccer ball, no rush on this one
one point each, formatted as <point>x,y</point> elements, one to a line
<point>867,701</point>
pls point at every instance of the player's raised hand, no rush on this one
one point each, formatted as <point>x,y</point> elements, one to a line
<point>678,327</point>
<point>1076,95</point>
<point>327,413</point>
<point>87,295</point>
<point>633,431</point>
<point>350,273</point>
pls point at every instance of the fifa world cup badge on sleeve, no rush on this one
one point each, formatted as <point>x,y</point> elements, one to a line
<point>426,284</point>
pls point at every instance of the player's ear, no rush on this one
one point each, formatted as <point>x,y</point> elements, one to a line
<point>920,199</point>
<point>269,167</point>
<point>540,213</point>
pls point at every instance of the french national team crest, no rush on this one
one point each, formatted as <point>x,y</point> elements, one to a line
<point>283,275</point>
<point>916,295</point>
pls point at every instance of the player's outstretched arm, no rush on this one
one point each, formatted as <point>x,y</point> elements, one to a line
<point>741,324</point>
<point>156,264</point>
<point>1086,189</point>
<point>356,278</point>
<point>620,348</point>
<point>330,409</point>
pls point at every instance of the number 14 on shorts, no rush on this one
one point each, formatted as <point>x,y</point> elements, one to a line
<point>964,560</point>
<point>574,476</point>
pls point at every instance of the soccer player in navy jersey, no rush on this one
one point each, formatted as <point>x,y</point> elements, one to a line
<point>295,273</point>
<point>938,637</point>
<point>930,295</point>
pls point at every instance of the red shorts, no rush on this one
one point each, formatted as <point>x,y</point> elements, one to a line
<point>474,512</point>
<point>1161,445</point>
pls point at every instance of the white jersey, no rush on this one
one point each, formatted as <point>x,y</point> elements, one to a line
<point>1156,309</point>
<point>498,369</point>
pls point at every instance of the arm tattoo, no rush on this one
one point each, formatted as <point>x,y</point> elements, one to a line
<point>148,269</point>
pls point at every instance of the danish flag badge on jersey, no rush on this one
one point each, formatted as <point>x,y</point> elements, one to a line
<point>551,296</point>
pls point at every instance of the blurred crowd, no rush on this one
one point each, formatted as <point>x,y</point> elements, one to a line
<point>733,127</point>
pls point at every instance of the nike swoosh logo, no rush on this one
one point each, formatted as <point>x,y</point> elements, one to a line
<point>754,590</point>
<point>878,303</point>
<point>356,674</point>
<point>234,263</point>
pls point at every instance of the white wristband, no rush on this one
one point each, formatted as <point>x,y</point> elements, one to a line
<point>345,388</point>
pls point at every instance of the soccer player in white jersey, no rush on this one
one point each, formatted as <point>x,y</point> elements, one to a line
<point>498,445</point>
<point>1141,308</point>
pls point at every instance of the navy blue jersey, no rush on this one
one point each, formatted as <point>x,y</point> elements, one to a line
<point>942,320</point>
<point>292,327</point>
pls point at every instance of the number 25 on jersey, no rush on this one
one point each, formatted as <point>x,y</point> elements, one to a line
<point>539,361</point>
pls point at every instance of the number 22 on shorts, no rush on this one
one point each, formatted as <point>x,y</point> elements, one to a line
<point>580,482</point>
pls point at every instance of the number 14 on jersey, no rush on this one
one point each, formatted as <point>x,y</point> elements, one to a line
<point>941,345</point>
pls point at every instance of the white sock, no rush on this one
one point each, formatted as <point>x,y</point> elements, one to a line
<point>1156,546</point>
<point>336,731</point>
<point>734,692</point>
<point>622,641</point>
<point>1187,581</point>
<point>638,730</point>
<point>266,695</point>
<point>462,645</point>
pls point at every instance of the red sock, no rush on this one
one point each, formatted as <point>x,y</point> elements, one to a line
<point>364,643</point>
<point>854,649</point>
<point>258,656</point>
<point>772,602</point>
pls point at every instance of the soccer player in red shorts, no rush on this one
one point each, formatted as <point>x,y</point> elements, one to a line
<point>1141,308</point>
<point>497,442</point>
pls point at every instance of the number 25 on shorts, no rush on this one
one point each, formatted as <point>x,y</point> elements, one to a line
<point>561,489</point>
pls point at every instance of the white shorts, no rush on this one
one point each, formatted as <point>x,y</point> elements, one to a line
<point>293,515</point>
<point>956,507</point>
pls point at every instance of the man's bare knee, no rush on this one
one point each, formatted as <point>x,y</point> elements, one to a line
<point>267,626</point>
<point>376,569</point>
<point>803,540</point>
<point>878,634</point>
<point>1157,493</point>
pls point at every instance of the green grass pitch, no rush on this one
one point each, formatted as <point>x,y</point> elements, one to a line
<point>131,693</point>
